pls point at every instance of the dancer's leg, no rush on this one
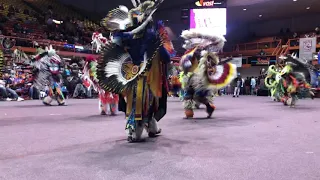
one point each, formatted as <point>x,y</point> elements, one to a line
<point>102,107</point>
<point>47,100</point>
<point>113,108</point>
<point>134,133</point>
<point>59,94</point>
<point>238,91</point>
<point>188,102</point>
<point>188,108</point>
<point>197,104</point>
<point>153,129</point>
<point>208,101</point>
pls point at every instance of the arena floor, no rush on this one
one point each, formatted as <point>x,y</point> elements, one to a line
<point>249,138</point>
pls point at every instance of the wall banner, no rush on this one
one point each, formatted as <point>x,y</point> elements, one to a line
<point>237,61</point>
<point>307,47</point>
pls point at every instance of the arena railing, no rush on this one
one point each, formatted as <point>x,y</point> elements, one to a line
<point>65,49</point>
<point>252,48</point>
<point>293,45</point>
<point>257,45</point>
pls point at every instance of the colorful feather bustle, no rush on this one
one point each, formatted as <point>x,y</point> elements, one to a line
<point>183,78</point>
<point>167,44</point>
<point>224,76</point>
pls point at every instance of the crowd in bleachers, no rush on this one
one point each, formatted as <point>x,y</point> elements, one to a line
<point>44,27</point>
<point>37,24</point>
<point>16,84</point>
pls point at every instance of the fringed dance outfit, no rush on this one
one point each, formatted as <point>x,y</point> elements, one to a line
<point>175,86</point>
<point>286,83</point>
<point>134,65</point>
<point>47,73</point>
<point>108,102</point>
<point>202,71</point>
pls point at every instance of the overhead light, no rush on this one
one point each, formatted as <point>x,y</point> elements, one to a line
<point>308,8</point>
<point>244,9</point>
<point>295,0</point>
<point>260,15</point>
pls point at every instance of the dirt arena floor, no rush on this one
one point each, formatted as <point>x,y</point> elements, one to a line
<point>249,138</point>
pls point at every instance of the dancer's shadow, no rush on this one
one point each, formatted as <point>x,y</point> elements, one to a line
<point>223,121</point>
<point>109,153</point>
<point>39,106</point>
<point>95,118</point>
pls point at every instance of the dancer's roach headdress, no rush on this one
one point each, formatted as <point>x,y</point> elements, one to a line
<point>123,19</point>
<point>210,72</point>
<point>205,40</point>
<point>199,40</point>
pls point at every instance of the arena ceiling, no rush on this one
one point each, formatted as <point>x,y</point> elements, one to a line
<point>255,9</point>
<point>270,9</point>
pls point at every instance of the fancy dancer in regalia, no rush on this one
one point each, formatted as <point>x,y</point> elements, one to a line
<point>134,65</point>
<point>47,73</point>
<point>287,83</point>
<point>108,102</point>
<point>202,71</point>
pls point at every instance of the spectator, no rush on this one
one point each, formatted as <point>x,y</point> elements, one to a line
<point>1,6</point>
<point>281,32</point>
<point>26,11</point>
<point>253,85</point>
<point>11,9</point>
<point>238,85</point>
<point>7,88</point>
<point>27,21</point>
<point>247,86</point>
<point>17,10</point>
<point>17,28</point>
<point>3,19</point>
<point>262,53</point>
<point>3,91</point>
<point>288,32</point>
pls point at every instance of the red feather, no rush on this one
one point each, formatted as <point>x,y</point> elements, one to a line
<point>90,58</point>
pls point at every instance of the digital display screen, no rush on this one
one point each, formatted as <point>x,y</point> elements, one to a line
<point>212,19</point>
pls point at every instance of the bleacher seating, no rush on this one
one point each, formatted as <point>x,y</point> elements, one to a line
<point>62,10</point>
<point>20,6</point>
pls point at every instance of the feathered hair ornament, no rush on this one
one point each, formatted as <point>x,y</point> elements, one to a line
<point>205,40</point>
<point>121,18</point>
<point>98,41</point>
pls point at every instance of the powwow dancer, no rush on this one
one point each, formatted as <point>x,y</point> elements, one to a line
<point>135,66</point>
<point>291,80</point>
<point>108,102</point>
<point>202,71</point>
<point>47,73</point>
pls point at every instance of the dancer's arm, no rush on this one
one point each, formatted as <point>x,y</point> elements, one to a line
<point>39,56</point>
